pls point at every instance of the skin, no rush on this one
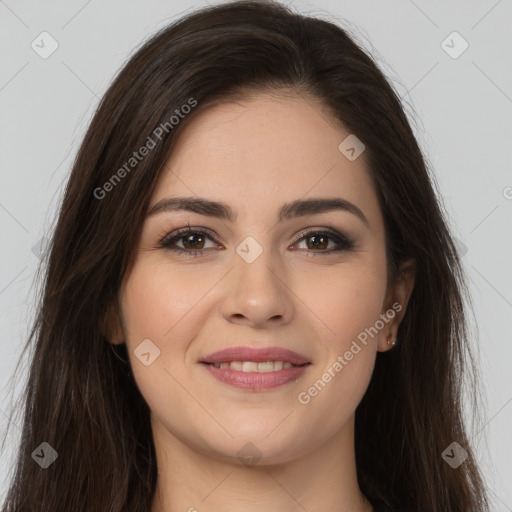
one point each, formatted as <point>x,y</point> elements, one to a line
<point>256,155</point>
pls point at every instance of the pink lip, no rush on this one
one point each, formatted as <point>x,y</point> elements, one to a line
<point>254,380</point>
<point>258,355</point>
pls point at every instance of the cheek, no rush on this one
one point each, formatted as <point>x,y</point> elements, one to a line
<point>348,308</point>
<point>157,299</point>
<point>156,304</point>
<point>333,395</point>
<point>346,303</point>
<point>344,300</point>
<point>167,305</point>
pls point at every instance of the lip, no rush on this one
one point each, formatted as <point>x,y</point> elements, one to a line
<point>258,355</point>
<point>255,381</point>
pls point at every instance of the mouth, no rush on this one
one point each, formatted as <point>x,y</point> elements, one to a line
<point>254,366</point>
<point>250,356</point>
<point>256,369</point>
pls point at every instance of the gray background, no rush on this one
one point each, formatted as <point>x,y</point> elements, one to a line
<point>460,108</point>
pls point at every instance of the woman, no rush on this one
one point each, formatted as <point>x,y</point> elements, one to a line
<point>252,298</point>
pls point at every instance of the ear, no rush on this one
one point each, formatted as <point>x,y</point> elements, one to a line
<point>395,304</point>
<point>111,326</point>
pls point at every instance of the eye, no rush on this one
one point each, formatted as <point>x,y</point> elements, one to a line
<point>320,241</point>
<point>194,239</point>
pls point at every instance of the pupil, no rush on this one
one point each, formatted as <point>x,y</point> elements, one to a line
<point>322,245</point>
<point>189,237</point>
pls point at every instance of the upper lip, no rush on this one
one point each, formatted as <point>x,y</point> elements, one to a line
<point>258,355</point>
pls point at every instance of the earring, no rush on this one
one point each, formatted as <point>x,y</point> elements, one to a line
<point>388,339</point>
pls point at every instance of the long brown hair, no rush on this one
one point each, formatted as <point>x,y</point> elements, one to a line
<point>81,397</point>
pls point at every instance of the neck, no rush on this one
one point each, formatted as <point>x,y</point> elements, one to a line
<point>323,479</point>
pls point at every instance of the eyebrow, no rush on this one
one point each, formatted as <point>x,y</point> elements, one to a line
<point>298,208</point>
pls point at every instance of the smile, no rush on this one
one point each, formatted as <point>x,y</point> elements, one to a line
<point>253,366</point>
<point>256,376</point>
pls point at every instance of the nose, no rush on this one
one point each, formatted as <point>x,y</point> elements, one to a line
<point>256,293</point>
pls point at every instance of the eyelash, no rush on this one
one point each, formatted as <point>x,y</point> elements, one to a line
<point>344,243</point>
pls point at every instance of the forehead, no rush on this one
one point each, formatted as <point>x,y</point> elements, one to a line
<point>263,152</point>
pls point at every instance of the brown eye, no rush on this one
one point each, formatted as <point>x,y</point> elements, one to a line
<point>193,241</point>
<point>318,241</point>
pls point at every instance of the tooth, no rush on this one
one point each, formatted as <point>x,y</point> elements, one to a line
<point>252,366</point>
<point>267,366</point>
<point>249,366</point>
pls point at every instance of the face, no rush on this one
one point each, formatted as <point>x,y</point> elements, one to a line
<point>308,280</point>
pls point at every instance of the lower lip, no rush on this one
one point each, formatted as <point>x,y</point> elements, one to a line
<point>256,381</point>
